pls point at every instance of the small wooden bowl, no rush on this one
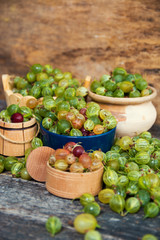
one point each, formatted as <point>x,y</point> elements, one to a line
<point>73,185</point>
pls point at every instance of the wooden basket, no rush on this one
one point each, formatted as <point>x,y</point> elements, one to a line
<point>73,185</point>
<point>10,96</point>
<point>15,138</point>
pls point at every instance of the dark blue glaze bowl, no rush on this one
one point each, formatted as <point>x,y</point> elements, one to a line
<point>102,141</point>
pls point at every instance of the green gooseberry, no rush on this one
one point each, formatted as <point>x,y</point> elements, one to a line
<point>133,175</point>
<point>56,70</point>
<point>110,122</point>
<point>92,235</point>
<point>142,157</point>
<point>63,126</point>
<point>109,94</point>
<point>146,135</point>
<point>141,84</point>
<point>9,162</point>
<point>134,94</point>
<point>104,78</point>
<point>155,192</point>
<point>49,104</point>
<point>21,84</point>
<point>105,195</point>
<point>142,144</point>
<point>26,112</point>
<point>100,91</point>
<point>119,71</point>
<point>63,106</point>
<point>41,76</point>
<point>118,78</point>
<point>75,132</point>
<point>151,210</point>
<point>132,188</point>
<point>31,77</point>
<point>145,92</point>
<point>16,169</point>
<point>1,167</point>
<point>94,85</point>
<point>48,68</point>
<point>132,205</point>
<point>35,91</point>
<point>118,93</point>
<point>110,85</point>
<point>143,196</point>
<point>123,181</point>
<point>36,68</point>
<point>53,225</point>
<point>86,198</point>
<point>131,166</point>
<point>110,177</point>
<point>47,122</point>
<point>117,203</point>
<point>92,208</point>
<point>85,222</point>
<point>81,91</point>
<point>69,93</point>
<point>149,237</point>
<point>121,190</point>
<point>126,86</point>
<point>36,142</point>
<point>125,142</point>
<point>13,108</point>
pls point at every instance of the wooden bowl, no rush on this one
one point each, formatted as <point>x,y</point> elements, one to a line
<point>73,185</point>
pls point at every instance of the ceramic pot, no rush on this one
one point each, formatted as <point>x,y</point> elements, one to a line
<point>134,115</point>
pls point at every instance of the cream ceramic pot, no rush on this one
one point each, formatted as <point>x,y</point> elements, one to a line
<point>134,115</point>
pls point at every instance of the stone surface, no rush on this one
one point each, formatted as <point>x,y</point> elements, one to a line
<point>84,37</point>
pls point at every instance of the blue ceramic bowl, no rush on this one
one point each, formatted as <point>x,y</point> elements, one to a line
<point>102,141</point>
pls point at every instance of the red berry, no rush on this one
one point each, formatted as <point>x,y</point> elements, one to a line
<point>16,118</point>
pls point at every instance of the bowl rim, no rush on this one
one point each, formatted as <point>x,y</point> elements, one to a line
<point>123,101</point>
<point>79,137</point>
<point>73,174</point>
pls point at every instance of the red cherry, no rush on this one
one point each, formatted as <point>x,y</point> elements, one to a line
<point>16,118</point>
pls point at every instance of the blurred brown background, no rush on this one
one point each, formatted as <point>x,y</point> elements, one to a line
<point>84,37</point>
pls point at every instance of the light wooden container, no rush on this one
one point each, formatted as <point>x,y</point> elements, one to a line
<point>15,138</point>
<point>73,185</point>
<point>10,96</point>
<point>134,115</point>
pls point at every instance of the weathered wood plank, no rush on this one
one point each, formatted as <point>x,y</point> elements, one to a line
<point>26,205</point>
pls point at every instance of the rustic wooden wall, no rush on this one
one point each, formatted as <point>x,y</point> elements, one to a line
<point>84,37</point>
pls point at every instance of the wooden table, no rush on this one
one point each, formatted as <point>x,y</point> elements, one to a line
<point>26,205</point>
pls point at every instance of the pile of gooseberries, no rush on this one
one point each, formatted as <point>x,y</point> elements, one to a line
<point>121,84</point>
<point>15,114</point>
<point>73,158</point>
<point>45,80</point>
<point>79,118</point>
<point>132,175</point>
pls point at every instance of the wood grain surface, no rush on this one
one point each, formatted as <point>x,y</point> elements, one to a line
<point>26,205</point>
<point>84,37</point>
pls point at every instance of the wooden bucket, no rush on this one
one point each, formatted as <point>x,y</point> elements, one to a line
<point>15,138</point>
<point>73,185</point>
